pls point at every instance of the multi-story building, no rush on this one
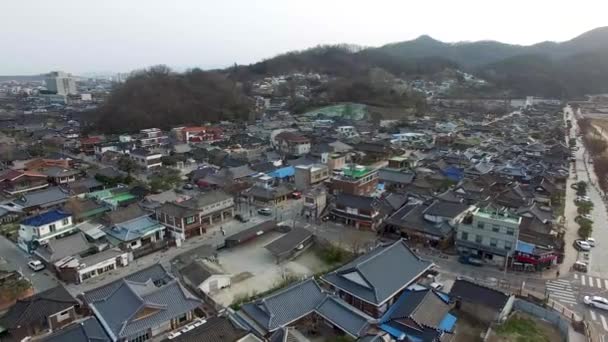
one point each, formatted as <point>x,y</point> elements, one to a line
<point>355,180</point>
<point>191,217</point>
<point>362,212</point>
<point>315,202</point>
<point>309,175</point>
<point>61,83</point>
<point>293,144</point>
<point>152,137</point>
<point>146,159</point>
<point>197,133</point>
<point>37,230</point>
<point>488,233</point>
<point>335,161</point>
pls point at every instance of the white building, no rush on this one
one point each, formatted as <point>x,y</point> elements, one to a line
<point>347,131</point>
<point>61,83</point>
<point>146,159</point>
<point>36,230</point>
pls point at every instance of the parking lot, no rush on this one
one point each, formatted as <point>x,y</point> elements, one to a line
<point>254,269</point>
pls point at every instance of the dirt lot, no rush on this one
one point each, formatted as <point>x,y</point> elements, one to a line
<point>254,269</point>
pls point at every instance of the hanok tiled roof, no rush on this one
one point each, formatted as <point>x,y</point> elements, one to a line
<point>205,199</point>
<point>119,305</point>
<point>378,275</point>
<point>56,249</point>
<point>86,330</point>
<point>133,229</point>
<point>216,329</point>
<point>42,198</point>
<point>355,201</point>
<point>346,317</point>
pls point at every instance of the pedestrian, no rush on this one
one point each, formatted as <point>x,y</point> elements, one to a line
<point>557,274</point>
<point>222,230</point>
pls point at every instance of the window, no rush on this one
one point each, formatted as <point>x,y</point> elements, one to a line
<point>464,236</point>
<point>141,338</point>
<point>508,245</point>
<point>63,315</point>
<point>52,228</point>
<point>510,231</point>
<point>478,238</point>
<point>493,242</point>
<point>65,221</point>
<point>495,228</point>
<point>480,225</point>
<point>182,319</point>
<point>190,220</point>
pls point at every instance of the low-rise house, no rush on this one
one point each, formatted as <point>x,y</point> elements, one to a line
<point>41,313</point>
<point>483,303</point>
<point>58,175</point>
<point>420,314</point>
<point>360,211</point>
<point>191,217</point>
<point>364,284</point>
<point>142,305</point>
<point>205,279</point>
<point>269,195</point>
<point>15,182</point>
<point>37,230</point>
<point>114,198</point>
<point>77,268</point>
<point>395,179</point>
<point>146,159</point>
<point>136,233</point>
<point>315,202</point>
<point>84,186</point>
<point>56,249</point>
<point>433,223</point>
<point>294,144</point>
<point>286,308</point>
<point>41,200</point>
<point>226,328</point>
<point>86,330</point>
<point>84,209</point>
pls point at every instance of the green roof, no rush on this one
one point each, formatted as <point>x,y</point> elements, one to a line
<point>356,171</point>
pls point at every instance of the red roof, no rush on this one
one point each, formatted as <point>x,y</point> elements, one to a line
<point>11,175</point>
<point>90,140</point>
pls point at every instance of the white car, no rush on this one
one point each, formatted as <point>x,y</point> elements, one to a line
<point>596,302</point>
<point>582,245</point>
<point>35,265</point>
<point>591,241</point>
<point>436,286</point>
<point>583,199</point>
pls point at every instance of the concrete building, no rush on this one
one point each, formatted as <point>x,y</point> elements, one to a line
<point>309,175</point>
<point>146,159</point>
<point>37,230</point>
<point>489,234</point>
<point>315,202</point>
<point>294,144</point>
<point>355,180</point>
<point>61,83</point>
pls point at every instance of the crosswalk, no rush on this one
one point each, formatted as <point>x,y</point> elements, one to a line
<point>599,318</point>
<point>589,281</point>
<point>561,290</point>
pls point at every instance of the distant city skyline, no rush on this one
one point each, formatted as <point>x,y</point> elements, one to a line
<point>81,37</point>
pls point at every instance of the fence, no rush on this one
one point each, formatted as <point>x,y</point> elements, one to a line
<point>551,316</point>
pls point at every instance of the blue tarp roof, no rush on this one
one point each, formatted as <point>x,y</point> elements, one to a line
<point>394,332</point>
<point>284,172</point>
<point>45,218</point>
<point>447,323</point>
<point>524,247</point>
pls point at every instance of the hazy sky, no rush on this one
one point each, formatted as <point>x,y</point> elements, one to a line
<point>121,35</point>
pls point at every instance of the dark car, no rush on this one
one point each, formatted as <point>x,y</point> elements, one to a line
<point>469,260</point>
<point>265,211</point>
<point>240,218</point>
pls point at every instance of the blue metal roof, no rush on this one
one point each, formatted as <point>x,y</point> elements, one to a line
<point>524,247</point>
<point>447,323</point>
<point>284,172</point>
<point>45,218</point>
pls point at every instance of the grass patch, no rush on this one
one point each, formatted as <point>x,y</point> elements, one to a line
<point>521,329</point>
<point>333,255</point>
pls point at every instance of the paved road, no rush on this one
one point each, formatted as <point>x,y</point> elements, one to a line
<point>13,258</point>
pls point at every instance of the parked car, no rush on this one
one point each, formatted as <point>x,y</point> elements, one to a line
<point>265,211</point>
<point>35,265</point>
<point>591,241</point>
<point>296,195</point>
<point>582,245</point>
<point>240,218</point>
<point>580,266</point>
<point>188,186</point>
<point>596,302</point>
<point>583,199</point>
<point>469,260</point>
<point>436,286</point>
